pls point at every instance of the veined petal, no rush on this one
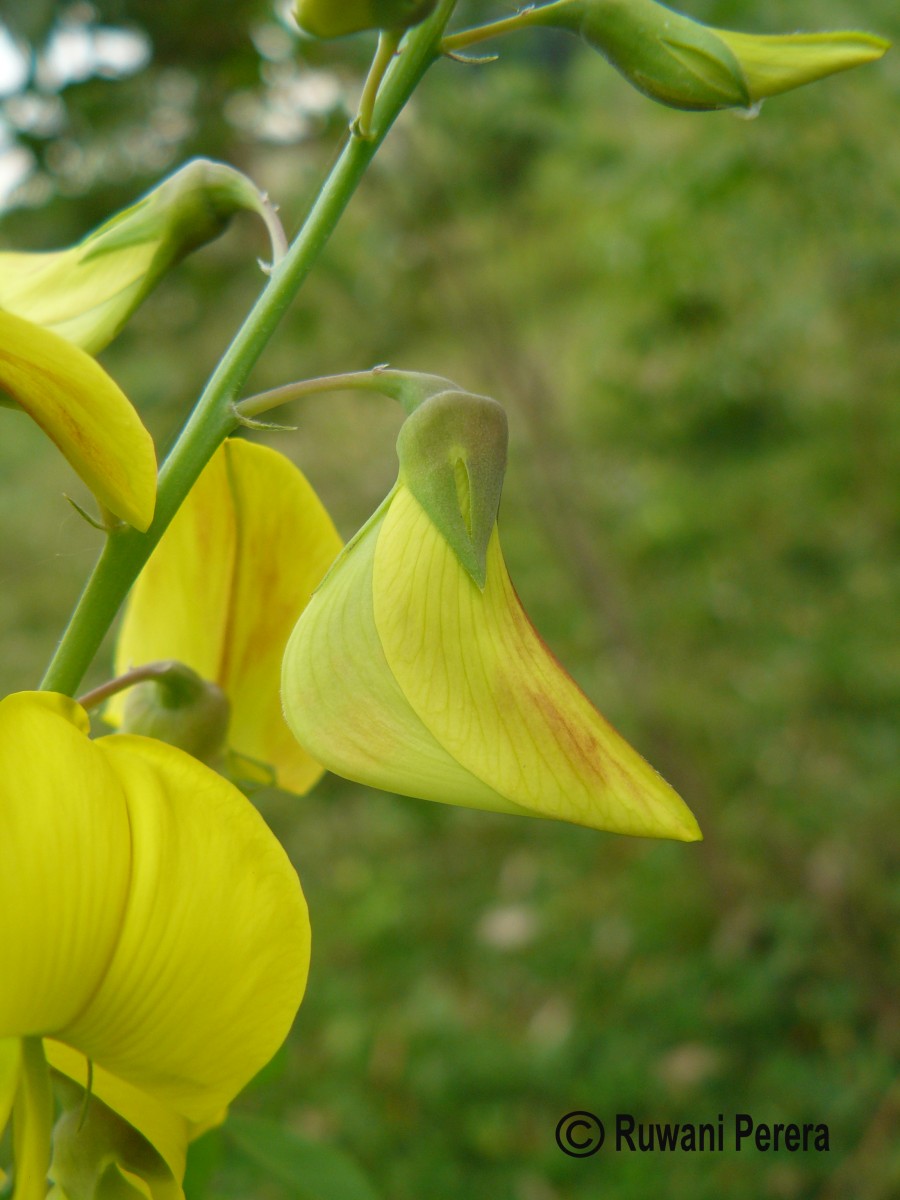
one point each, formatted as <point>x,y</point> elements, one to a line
<point>211,959</point>
<point>85,413</point>
<point>224,588</point>
<point>344,705</point>
<point>487,688</point>
<point>66,848</point>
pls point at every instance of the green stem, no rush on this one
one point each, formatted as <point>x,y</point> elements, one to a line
<point>408,388</point>
<point>528,18</point>
<point>126,550</point>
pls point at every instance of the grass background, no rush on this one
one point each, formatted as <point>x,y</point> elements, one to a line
<point>693,324</point>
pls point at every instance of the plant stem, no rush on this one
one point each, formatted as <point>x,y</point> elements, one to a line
<point>126,550</point>
<point>408,388</point>
<point>526,19</point>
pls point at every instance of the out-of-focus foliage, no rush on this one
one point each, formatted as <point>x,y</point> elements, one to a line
<point>692,321</point>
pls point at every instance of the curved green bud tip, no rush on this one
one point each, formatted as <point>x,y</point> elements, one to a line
<point>688,65</point>
<point>452,453</point>
<point>182,709</point>
<point>336,18</point>
<point>87,292</point>
<point>777,63</point>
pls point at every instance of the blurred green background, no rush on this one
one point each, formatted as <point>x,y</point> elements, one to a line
<point>693,323</point>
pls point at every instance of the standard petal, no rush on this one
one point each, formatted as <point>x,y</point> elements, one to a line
<point>224,588</point>
<point>344,706</point>
<point>85,413</point>
<point>213,951</point>
<point>65,848</point>
<point>478,675</point>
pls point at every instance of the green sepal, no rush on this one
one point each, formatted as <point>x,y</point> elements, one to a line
<point>452,452</point>
<point>189,208</point>
<point>664,54</point>
<point>99,1156</point>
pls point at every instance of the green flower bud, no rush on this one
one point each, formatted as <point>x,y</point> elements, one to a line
<point>452,453</point>
<point>688,65</point>
<point>87,292</point>
<point>181,708</point>
<point>335,18</point>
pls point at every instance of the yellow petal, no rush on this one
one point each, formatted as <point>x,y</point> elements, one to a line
<point>85,413</point>
<point>148,918</point>
<point>211,959</point>
<point>344,705</point>
<point>224,588</point>
<point>477,674</point>
<point>84,307</point>
<point>66,851</point>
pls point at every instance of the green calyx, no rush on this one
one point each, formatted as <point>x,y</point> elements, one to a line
<point>187,210</point>
<point>337,18</point>
<point>179,707</point>
<point>452,452</point>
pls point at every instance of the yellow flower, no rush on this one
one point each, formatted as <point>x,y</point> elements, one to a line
<point>415,669</point>
<point>84,412</point>
<point>689,65</point>
<point>150,924</point>
<point>223,590</point>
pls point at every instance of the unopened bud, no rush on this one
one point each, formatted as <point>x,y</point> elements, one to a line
<point>336,18</point>
<point>686,64</point>
<point>181,708</point>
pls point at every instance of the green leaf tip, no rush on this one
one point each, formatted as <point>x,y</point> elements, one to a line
<point>452,453</point>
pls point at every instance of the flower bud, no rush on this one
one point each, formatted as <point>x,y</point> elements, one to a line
<point>87,292</point>
<point>180,708</point>
<point>335,18</point>
<point>686,64</point>
<point>415,669</point>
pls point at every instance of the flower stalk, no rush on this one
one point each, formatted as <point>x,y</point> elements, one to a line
<point>126,551</point>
